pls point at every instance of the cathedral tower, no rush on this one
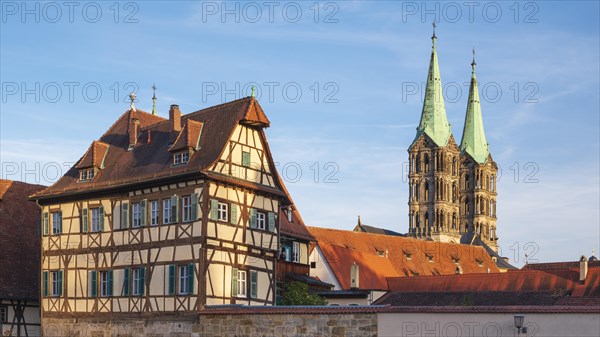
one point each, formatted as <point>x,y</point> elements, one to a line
<point>434,167</point>
<point>478,173</point>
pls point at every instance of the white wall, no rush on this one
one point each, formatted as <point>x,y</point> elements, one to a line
<point>322,270</point>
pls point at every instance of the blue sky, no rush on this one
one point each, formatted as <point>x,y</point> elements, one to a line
<point>342,84</point>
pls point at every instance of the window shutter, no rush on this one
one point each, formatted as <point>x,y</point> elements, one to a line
<point>253,284</point>
<point>60,222</point>
<point>214,209</point>
<point>190,278</point>
<point>84,220</point>
<point>93,283</point>
<point>234,283</point>
<point>143,212</point>
<point>101,218</point>
<point>125,291</point>
<point>45,223</point>
<point>194,206</point>
<point>45,282</point>
<point>110,282</point>
<point>271,216</point>
<point>245,158</point>
<point>174,209</point>
<point>252,217</point>
<point>172,279</point>
<point>60,282</point>
<point>124,215</point>
<point>142,284</point>
<point>234,214</point>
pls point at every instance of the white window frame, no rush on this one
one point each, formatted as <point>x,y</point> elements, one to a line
<point>242,283</point>
<point>182,277</point>
<point>296,252</point>
<point>153,212</point>
<point>104,284</point>
<point>181,158</point>
<point>136,215</point>
<point>186,206</point>
<point>56,216</point>
<point>167,211</point>
<point>222,212</point>
<point>135,277</point>
<point>55,283</point>
<point>261,220</point>
<point>95,212</point>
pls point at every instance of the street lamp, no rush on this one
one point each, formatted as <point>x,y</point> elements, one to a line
<point>519,320</point>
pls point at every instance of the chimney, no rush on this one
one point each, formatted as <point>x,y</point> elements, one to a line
<point>134,125</point>
<point>583,269</point>
<point>354,275</point>
<point>175,117</point>
<point>149,137</point>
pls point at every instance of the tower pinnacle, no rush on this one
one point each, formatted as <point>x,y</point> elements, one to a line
<point>154,99</point>
<point>473,139</point>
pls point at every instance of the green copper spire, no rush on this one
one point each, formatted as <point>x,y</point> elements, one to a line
<point>473,139</point>
<point>154,99</point>
<point>433,117</point>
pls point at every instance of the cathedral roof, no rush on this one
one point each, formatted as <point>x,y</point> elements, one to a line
<point>434,122</point>
<point>473,139</point>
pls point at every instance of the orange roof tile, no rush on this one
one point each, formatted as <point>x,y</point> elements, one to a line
<point>382,256</point>
<point>94,156</point>
<point>189,136</point>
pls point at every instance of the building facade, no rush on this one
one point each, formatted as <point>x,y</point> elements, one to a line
<point>163,217</point>
<point>452,189</point>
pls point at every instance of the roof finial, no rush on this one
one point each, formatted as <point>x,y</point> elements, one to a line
<point>253,94</point>
<point>433,37</point>
<point>154,99</point>
<point>473,64</point>
<point>132,97</point>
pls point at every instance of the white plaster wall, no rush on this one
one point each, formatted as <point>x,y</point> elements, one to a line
<point>322,270</point>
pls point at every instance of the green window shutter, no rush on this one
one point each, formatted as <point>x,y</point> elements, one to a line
<point>124,215</point>
<point>45,223</point>
<point>126,273</point>
<point>175,209</point>
<point>194,206</point>
<point>60,282</point>
<point>142,284</point>
<point>172,279</point>
<point>84,220</point>
<point>45,282</point>
<point>143,212</point>
<point>190,278</point>
<point>234,276</point>
<point>101,218</point>
<point>214,209</point>
<point>234,214</point>
<point>60,222</point>
<point>110,282</point>
<point>93,275</point>
<point>271,217</point>
<point>253,284</point>
<point>245,158</point>
<point>253,217</point>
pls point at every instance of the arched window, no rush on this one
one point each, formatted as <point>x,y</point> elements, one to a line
<point>481,206</point>
<point>418,163</point>
<point>426,191</point>
<point>453,166</point>
<point>417,192</point>
<point>426,163</point>
<point>492,183</point>
<point>417,220</point>
<point>454,221</point>
<point>467,182</point>
<point>454,192</point>
<point>466,206</point>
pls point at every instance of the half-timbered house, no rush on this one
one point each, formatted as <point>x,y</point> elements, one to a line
<point>19,260</point>
<point>163,217</point>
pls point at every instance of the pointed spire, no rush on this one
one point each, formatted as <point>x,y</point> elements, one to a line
<point>473,139</point>
<point>154,99</point>
<point>434,122</point>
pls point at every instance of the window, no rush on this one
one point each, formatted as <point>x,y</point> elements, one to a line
<point>166,211</point>
<point>296,252</point>
<point>125,215</point>
<point>56,284</point>
<point>241,283</point>
<point>57,222</point>
<point>153,212</point>
<point>138,282</point>
<point>136,215</point>
<point>253,284</point>
<point>246,158</point>
<point>186,205</point>
<point>289,214</point>
<point>260,220</point>
<point>53,283</point>
<point>186,279</point>
<point>85,175</point>
<point>222,212</point>
<point>96,220</point>
<point>492,183</point>
<point>106,283</point>
<point>181,158</point>
<point>3,314</point>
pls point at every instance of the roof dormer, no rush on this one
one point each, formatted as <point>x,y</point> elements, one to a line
<point>92,161</point>
<point>187,142</point>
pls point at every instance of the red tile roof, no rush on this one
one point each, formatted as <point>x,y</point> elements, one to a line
<point>94,156</point>
<point>383,256</point>
<point>19,241</point>
<point>189,136</point>
<point>149,161</point>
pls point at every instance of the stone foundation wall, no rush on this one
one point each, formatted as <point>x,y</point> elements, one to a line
<point>222,325</point>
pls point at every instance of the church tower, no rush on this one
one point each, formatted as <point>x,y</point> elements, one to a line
<point>434,167</point>
<point>478,173</point>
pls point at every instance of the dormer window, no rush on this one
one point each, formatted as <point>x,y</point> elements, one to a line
<point>181,158</point>
<point>86,174</point>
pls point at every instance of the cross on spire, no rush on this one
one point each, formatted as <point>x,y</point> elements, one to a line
<point>473,64</point>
